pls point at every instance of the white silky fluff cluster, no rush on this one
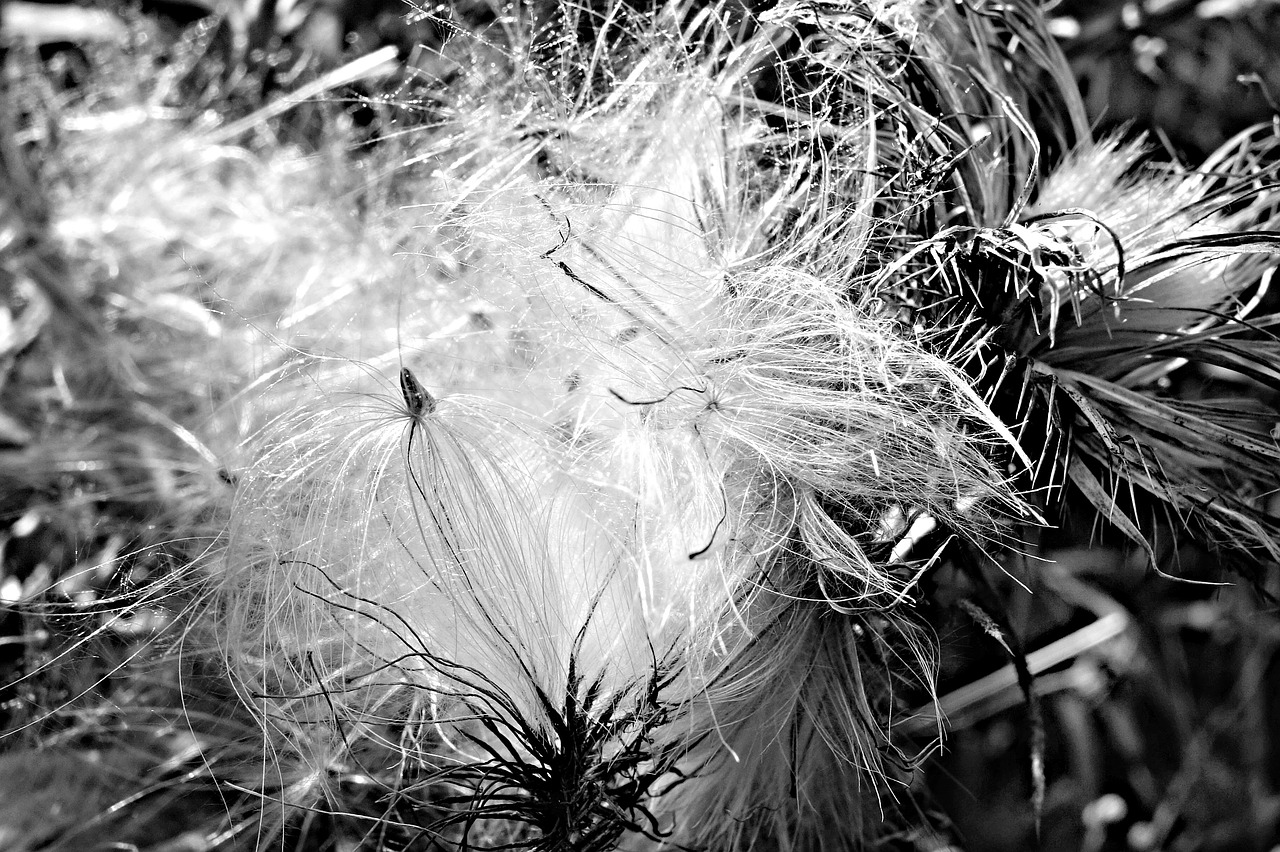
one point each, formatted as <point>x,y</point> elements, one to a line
<point>605,558</point>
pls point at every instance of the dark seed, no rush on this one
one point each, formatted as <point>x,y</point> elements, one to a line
<point>416,397</point>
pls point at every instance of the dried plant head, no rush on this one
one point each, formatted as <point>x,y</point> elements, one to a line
<point>667,495</point>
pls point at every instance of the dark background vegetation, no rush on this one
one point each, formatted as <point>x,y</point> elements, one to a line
<point>1162,735</point>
